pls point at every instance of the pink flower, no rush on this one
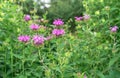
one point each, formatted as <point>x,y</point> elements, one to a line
<point>38,40</point>
<point>114,29</point>
<point>58,32</point>
<point>85,76</point>
<point>34,26</point>
<point>86,17</point>
<point>27,17</point>
<point>24,38</point>
<point>78,18</point>
<point>58,22</point>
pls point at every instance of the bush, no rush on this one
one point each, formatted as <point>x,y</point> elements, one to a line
<point>103,17</point>
<point>11,23</point>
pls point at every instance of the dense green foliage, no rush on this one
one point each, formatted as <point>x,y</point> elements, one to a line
<point>10,25</point>
<point>65,9</point>
<point>92,50</point>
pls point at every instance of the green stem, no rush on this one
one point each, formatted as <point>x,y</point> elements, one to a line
<point>114,43</point>
<point>11,53</point>
<point>23,66</point>
<point>108,18</point>
<point>23,62</point>
<point>39,55</point>
<point>5,66</point>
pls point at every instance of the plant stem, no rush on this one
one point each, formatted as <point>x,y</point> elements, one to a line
<point>23,62</point>
<point>11,53</point>
<point>39,54</point>
<point>5,66</point>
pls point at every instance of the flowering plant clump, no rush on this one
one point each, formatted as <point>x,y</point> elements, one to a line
<point>114,28</point>
<point>78,18</point>
<point>38,40</point>
<point>58,22</point>
<point>34,27</point>
<point>82,47</point>
<point>27,17</point>
<point>24,38</point>
<point>58,32</point>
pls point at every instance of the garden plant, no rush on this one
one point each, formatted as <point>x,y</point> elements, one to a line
<point>52,44</point>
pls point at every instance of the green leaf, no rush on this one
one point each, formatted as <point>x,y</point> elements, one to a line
<point>113,60</point>
<point>100,74</point>
<point>21,76</point>
<point>113,74</point>
<point>18,56</point>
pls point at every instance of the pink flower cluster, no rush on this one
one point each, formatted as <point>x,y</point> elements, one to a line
<point>58,32</point>
<point>114,28</point>
<point>24,38</point>
<point>78,18</point>
<point>38,40</point>
<point>27,17</point>
<point>58,22</point>
<point>85,17</point>
<point>34,26</point>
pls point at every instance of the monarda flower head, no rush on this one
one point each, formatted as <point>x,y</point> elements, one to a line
<point>58,22</point>
<point>34,27</point>
<point>114,28</point>
<point>78,18</point>
<point>86,17</point>
<point>27,17</point>
<point>24,38</point>
<point>58,32</point>
<point>38,40</point>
